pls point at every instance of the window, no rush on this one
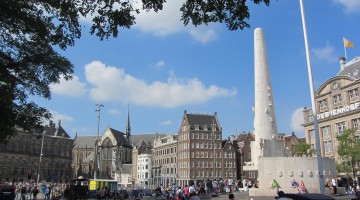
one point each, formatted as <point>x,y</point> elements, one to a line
<point>312,134</point>
<point>337,99</point>
<point>310,118</point>
<point>353,93</point>
<point>340,127</point>
<point>356,123</point>
<point>326,131</point>
<point>251,174</point>
<point>328,146</point>
<point>225,154</point>
<point>323,103</point>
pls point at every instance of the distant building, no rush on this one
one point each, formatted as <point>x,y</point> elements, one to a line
<point>200,149</point>
<point>165,156</point>
<point>244,150</point>
<point>83,156</point>
<point>21,155</point>
<point>144,167</point>
<point>338,109</point>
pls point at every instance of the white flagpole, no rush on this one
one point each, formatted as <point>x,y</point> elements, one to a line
<point>316,127</point>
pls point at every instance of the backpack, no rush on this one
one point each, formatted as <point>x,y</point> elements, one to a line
<point>179,193</point>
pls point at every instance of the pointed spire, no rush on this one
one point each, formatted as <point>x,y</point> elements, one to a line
<point>128,128</point>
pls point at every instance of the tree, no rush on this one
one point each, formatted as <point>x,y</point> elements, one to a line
<point>32,31</point>
<point>303,149</point>
<point>349,149</point>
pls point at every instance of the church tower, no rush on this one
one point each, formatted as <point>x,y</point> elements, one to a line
<point>128,128</point>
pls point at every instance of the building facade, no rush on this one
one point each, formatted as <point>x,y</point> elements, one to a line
<point>83,156</point>
<point>144,168</point>
<point>165,156</point>
<point>199,148</point>
<point>24,151</point>
<point>337,106</point>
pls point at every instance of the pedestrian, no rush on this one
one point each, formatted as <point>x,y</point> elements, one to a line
<point>275,185</point>
<point>295,185</point>
<point>302,187</point>
<point>334,184</point>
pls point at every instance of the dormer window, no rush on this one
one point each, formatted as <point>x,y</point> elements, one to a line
<point>196,127</point>
<point>205,128</point>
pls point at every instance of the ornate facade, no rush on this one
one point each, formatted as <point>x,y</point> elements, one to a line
<point>338,109</point>
<point>22,155</point>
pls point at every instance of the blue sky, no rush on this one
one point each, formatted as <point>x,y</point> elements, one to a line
<point>161,68</point>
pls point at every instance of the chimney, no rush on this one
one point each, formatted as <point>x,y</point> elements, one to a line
<point>342,63</point>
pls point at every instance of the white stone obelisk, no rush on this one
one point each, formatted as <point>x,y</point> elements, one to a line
<point>265,119</point>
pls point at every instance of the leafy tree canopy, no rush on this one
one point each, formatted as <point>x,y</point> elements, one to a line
<point>303,149</point>
<point>349,148</point>
<point>32,30</point>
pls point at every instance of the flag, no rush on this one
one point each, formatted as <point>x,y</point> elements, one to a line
<point>347,43</point>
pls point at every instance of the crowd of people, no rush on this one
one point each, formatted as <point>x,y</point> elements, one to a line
<point>29,190</point>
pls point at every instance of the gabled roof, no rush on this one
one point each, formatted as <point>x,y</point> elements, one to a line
<point>84,142</point>
<point>137,139</point>
<point>245,136</point>
<point>58,131</point>
<point>120,137</point>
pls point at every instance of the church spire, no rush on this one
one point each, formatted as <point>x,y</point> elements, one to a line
<point>128,128</point>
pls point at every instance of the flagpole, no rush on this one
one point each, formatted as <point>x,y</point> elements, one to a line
<point>344,49</point>
<point>316,126</point>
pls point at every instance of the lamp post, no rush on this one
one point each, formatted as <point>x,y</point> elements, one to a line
<point>41,153</point>
<point>97,141</point>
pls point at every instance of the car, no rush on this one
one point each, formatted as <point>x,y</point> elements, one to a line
<point>146,192</point>
<point>307,196</point>
<point>134,193</point>
<point>7,192</point>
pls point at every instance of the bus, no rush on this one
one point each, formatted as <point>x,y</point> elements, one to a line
<point>96,184</point>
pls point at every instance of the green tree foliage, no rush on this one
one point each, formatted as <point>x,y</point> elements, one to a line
<point>349,148</point>
<point>303,149</point>
<point>33,31</point>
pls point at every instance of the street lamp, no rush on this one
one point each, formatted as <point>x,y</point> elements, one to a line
<point>41,153</point>
<point>97,140</point>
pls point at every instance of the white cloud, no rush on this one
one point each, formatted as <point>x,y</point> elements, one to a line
<point>114,112</point>
<point>203,34</point>
<point>113,84</point>
<point>167,22</point>
<point>351,6</point>
<point>71,88</point>
<point>326,53</point>
<point>297,119</point>
<point>166,122</point>
<point>63,117</point>
<point>159,65</point>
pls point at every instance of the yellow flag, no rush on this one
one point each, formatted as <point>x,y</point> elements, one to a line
<point>347,43</point>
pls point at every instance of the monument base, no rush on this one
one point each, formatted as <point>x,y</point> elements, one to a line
<point>286,169</point>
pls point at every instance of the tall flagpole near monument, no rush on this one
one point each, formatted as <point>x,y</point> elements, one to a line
<point>316,127</point>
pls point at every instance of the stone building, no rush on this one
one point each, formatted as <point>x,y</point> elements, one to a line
<point>144,168</point>
<point>22,154</point>
<point>83,156</point>
<point>200,150</point>
<point>337,106</point>
<point>244,151</point>
<point>165,156</point>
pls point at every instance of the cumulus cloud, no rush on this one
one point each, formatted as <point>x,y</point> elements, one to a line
<point>71,88</point>
<point>63,117</point>
<point>159,65</point>
<point>297,120</point>
<point>113,84</point>
<point>326,53</point>
<point>166,122</point>
<point>350,6</point>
